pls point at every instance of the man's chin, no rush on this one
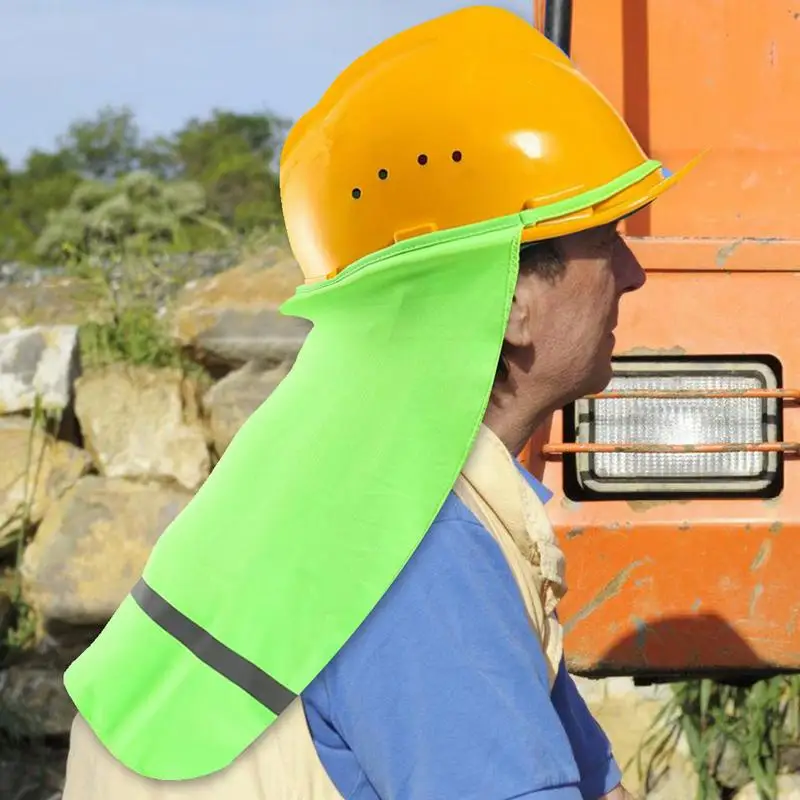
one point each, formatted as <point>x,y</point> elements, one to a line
<point>599,380</point>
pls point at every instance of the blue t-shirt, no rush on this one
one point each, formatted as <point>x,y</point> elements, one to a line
<point>443,694</point>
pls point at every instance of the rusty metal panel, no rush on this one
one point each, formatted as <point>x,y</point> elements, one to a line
<point>688,585</point>
<point>716,74</point>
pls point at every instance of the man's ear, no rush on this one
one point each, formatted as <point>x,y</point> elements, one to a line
<point>519,331</point>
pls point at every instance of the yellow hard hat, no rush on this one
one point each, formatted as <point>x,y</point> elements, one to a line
<point>468,117</point>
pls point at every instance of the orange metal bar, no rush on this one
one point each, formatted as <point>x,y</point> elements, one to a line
<point>761,447</point>
<point>697,394</point>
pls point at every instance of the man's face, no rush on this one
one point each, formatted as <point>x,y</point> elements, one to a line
<point>570,318</point>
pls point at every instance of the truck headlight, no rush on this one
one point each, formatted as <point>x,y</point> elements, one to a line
<point>680,421</point>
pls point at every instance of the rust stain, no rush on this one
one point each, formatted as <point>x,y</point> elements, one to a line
<point>639,447</point>
<point>762,556</point>
<point>724,253</point>
<point>642,630</point>
<point>791,625</point>
<point>645,505</point>
<point>695,394</point>
<point>758,590</point>
<point>611,589</point>
<point>677,350</point>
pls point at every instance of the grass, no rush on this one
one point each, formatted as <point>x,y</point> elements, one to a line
<point>737,731</point>
<point>130,299</point>
<point>124,291</point>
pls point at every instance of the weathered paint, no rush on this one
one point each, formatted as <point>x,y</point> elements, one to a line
<point>698,554</point>
<point>762,555</point>
<point>669,587</point>
<point>653,351</point>
<point>697,76</point>
<point>611,589</point>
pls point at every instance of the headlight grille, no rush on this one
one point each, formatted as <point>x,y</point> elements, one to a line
<point>680,427</point>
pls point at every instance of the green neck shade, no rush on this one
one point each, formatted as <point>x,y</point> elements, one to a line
<point>314,509</point>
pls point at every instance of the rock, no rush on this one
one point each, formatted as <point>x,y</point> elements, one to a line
<point>33,773</point>
<point>591,689</point>
<point>626,713</point>
<point>36,698</point>
<point>7,619</point>
<point>38,361</point>
<point>232,318</point>
<point>6,612</point>
<point>46,472</point>
<point>788,789</point>
<point>731,765</point>
<point>232,400</point>
<point>56,300</point>
<point>679,782</point>
<point>789,757</point>
<point>140,422</point>
<point>92,546</point>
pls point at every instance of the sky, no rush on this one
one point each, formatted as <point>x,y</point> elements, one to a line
<point>170,60</point>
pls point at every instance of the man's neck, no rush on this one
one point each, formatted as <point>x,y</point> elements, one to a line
<point>512,429</point>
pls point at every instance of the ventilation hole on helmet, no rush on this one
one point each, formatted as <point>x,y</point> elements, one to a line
<point>356,193</point>
<point>383,174</point>
<point>422,159</point>
<point>456,156</point>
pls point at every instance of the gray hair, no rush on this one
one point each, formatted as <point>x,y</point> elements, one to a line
<point>544,260</point>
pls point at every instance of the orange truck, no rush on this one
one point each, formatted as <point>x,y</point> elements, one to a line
<point>677,491</point>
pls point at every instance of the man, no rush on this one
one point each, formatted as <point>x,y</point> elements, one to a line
<point>489,726</point>
<point>380,620</point>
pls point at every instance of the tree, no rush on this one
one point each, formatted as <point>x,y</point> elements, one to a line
<point>45,182</point>
<point>232,156</point>
<point>138,209</point>
<point>105,147</point>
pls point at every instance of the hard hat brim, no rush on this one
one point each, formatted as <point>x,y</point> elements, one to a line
<point>629,202</point>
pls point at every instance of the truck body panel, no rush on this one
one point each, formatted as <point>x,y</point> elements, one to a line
<point>667,587</point>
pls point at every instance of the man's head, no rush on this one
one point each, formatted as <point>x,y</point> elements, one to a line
<point>469,117</point>
<point>559,337</point>
<point>392,153</point>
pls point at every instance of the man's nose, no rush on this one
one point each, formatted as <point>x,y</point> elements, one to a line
<point>630,273</point>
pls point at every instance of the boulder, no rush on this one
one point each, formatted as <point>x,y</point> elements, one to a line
<point>141,422</point>
<point>35,470</point>
<point>626,713</point>
<point>56,300</point>
<point>35,697</point>
<point>41,361</point>
<point>32,773</point>
<point>232,318</point>
<point>788,789</point>
<point>92,546</point>
<point>232,400</point>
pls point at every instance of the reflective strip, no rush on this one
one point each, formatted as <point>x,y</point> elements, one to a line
<point>246,675</point>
